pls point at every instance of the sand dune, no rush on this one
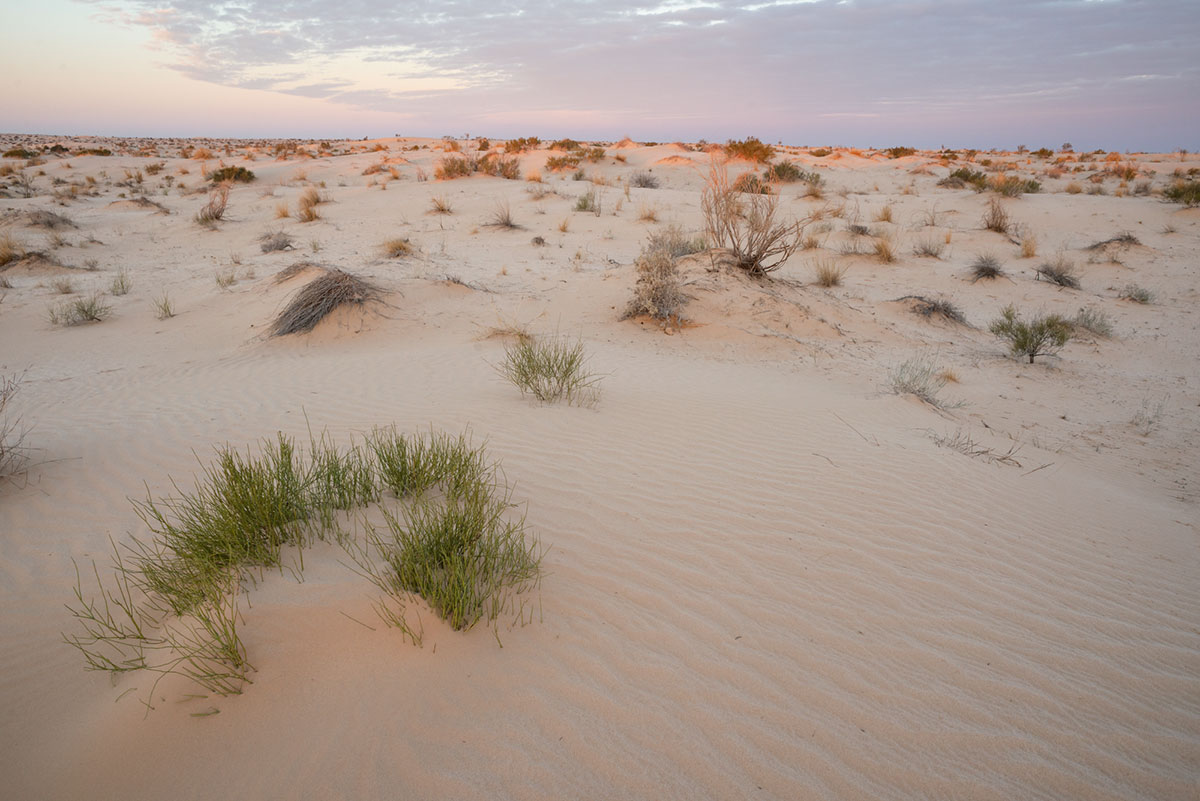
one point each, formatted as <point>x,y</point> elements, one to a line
<point>765,578</point>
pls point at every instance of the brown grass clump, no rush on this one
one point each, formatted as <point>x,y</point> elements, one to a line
<point>439,204</point>
<point>928,307</point>
<point>829,272</point>
<point>282,210</point>
<point>884,251</point>
<point>320,297</point>
<point>11,249</point>
<point>995,218</point>
<point>214,209</point>
<point>395,248</point>
<point>307,211</point>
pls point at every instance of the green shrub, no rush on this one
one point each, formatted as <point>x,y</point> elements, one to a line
<point>239,174</point>
<point>522,144</point>
<point>565,144</point>
<point>1185,192</point>
<point>556,163</point>
<point>1044,334</point>
<point>750,149</point>
<point>963,177</point>
<point>900,152</point>
<point>550,370</point>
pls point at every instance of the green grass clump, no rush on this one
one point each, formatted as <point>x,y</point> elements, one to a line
<point>550,370</point>
<point>77,311</point>
<point>787,172</point>
<point>1038,336</point>
<point>963,177</point>
<point>1185,192</point>
<point>172,603</point>
<point>1094,321</point>
<point>239,174</point>
<point>900,152</point>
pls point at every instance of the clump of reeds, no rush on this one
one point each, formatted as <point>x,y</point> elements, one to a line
<point>550,370</point>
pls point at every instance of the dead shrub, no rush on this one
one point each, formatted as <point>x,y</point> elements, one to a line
<point>746,224</point>
<point>319,298</point>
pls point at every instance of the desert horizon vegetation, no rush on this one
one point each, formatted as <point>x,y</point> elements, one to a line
<point>760,316</point>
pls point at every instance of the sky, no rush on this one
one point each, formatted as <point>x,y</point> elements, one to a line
<point>1116,74</point>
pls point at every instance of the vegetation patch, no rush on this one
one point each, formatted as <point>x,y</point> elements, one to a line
<point>551,370</point>
<point>174,602</point>
<point>238,174</point>
<point>319,298</point>
<point>1040,335</point>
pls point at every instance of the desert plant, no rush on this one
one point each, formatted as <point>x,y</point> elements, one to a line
<point>13,451</point>
<point>551,370</point>
<point>675,241</point>
<point>995,218</point>
<point>10,249</point>
<point>121,283</point>
<point>884,251</point>
<point>1136,293</point>
<point>1185,192</point>
<point>1029,245</point>
<point>658,292</point>
<point>750,149</point>
<point>590,200</point>
<point>1060,271</point>
<point>40,218</point>
<point>502,217</point>
<point>985,266</point>
<point>941,307</point>
<point>928,247</point>
<point>644,180</point>
<point>397,247</point>
<point>963,177</point>
<point>746,225</point>
<point>226,278</point>
<point>919,376</point>
<point>77,311</point>
<point>214,210</point>
<point>439,204</point>
<point>239,174</point>
<point>458,166</point>
<point>273,241</point>
<point>320,297</point>
<point>1094,321</point>
<point>63,286</point>
<point>648,213</point>
<point>1041,335</point>
<point>163,308</point>
<point>829,272</point>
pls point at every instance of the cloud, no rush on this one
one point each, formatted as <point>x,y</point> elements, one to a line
<point>780,67</point>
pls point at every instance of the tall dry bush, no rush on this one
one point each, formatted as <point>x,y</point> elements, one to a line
<point>746,224</point>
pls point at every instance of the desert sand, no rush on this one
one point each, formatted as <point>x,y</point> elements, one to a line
<point>767,575</point>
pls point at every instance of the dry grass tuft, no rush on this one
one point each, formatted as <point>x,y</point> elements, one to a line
<point>829,272</point>
<point>320,297</point>
<point>273,241</point>
<point>439,204</point>
<point>1061,271</point>
<point>995,218</point>
<point>985,266</point>
<point>214,209</point>
<point>307,210</point>
<point>941,307</point>
<point>395,248</point>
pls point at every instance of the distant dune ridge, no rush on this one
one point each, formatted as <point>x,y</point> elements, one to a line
<point>833,527</point>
